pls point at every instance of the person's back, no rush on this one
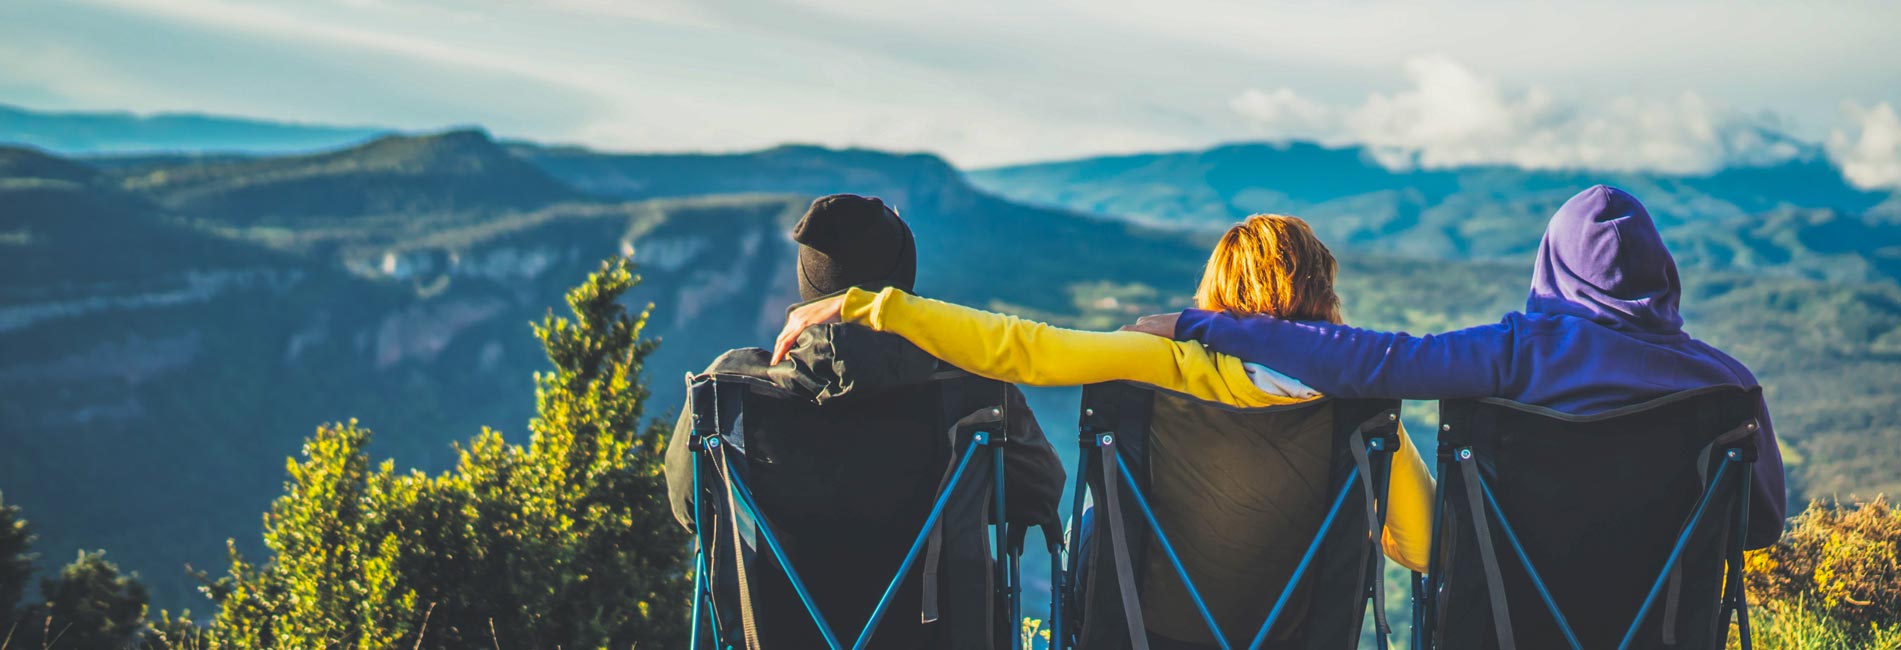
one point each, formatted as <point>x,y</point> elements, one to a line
<point>1600,330</point>
<point>845,460</point>
<point>1241,493</point>
<point>847,454</point>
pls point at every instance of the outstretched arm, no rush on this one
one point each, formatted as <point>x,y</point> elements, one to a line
<point>1350,362</point>
<point>1007,348</point>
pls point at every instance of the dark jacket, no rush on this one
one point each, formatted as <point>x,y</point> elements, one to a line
<point>841,362</point>
<point>845,456</point>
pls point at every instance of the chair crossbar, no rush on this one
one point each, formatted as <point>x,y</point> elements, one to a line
<point>1525,560</point>
<point>1306,559</point>
<point>1168,549</point>
<point>1676,552</point>
<point>746,501</point>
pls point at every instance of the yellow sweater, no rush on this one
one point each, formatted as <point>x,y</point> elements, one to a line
<point>1007,348</point>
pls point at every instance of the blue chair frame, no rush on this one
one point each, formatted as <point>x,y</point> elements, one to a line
<point>1734,599</point>
<point>1377,443</point>
<point>709,445</point>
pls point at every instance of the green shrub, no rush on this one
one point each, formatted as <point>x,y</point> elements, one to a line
<point>564,543</point>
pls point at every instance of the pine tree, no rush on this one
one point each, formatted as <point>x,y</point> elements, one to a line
<point>16,563</point>
<point>567,542</point>
<point>90,605</point>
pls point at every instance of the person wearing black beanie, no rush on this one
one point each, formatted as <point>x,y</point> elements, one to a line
<point>866,465</point>
<point>847,240</point>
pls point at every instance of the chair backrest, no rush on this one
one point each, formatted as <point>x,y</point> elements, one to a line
<point>1238,499</point>
<point>1597,504</point>
<point>846,488</point>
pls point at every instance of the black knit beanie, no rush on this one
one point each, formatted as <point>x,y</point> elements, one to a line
<point>846,240</point>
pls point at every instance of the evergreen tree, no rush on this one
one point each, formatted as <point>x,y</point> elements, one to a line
<point>567,542</point>
<point>90,605</point>
<point>16,563</point>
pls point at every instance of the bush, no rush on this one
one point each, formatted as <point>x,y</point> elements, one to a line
<point>16,562</point>
<point>567,542</point>
<point>1833,580</point>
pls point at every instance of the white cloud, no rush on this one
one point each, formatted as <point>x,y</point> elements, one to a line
<point>1872,157</point>
<point>1451,115</point>
<point>987,82</point>
<point>1283,113</point>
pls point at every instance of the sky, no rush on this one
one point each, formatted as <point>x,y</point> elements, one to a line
<point>1677,86</point>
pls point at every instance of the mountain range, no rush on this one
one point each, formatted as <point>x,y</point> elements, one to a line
<point>174,324</point>
<point>112,132</point>
<point>1796,216</point>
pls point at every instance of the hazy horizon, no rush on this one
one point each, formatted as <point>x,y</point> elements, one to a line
<point>1681,87</point>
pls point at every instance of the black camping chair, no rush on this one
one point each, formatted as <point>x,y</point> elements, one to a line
<point>1618,530</point>
<point>910,518</point>
<point>1334,457</point>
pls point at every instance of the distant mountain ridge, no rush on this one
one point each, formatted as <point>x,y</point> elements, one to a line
<point>391,175</point>
<point>1483,212</point>
<point>115,132</point>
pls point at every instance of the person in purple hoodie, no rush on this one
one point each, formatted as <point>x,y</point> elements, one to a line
<point>1600,330</point>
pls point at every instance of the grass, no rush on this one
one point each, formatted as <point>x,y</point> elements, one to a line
<point>1799,626</point>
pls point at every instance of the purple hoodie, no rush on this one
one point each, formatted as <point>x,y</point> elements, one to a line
<point>1600,330</point>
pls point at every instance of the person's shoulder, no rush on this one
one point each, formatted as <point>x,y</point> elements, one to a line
<point>1743,376</point>
<point>852,340</point>
<point>1547,324</point>
<point>752,362</point>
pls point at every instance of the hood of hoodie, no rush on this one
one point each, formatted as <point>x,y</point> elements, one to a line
<point>835,361</point>
<point>1602,259</point>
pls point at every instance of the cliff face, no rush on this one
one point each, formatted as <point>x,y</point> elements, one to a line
<point>160,363</point>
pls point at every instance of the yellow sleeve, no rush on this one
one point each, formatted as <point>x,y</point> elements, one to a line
<point>1007,348</point>
<point>1408,534</point>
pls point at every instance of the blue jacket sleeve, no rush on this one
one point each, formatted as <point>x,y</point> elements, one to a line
<point>1350,362</point>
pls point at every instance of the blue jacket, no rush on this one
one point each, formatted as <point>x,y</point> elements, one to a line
<point>1600,330</point>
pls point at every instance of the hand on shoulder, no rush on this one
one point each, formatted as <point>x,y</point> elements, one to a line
<point>817,312</point>
<point>1162,325</point>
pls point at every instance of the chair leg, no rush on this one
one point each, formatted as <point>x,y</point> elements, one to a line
<point>1002,573</point>
<point>1056,594</point>
<point>1424,625</point>
<point>1741,601</point>
<point>1059,635</point>
<point>1419,611</point>
<point>699,583</point>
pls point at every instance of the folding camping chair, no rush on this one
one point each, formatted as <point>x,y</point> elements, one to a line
<point>1618,530</point>
<point>1301,489</point>
<point>930,497</point>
